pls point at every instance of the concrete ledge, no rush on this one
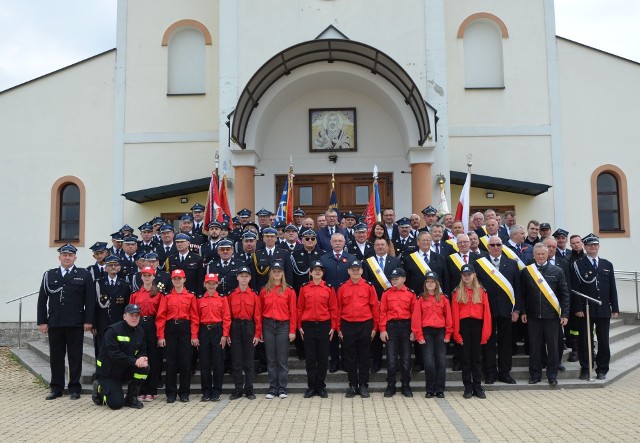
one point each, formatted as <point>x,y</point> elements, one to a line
<point>9,333</point>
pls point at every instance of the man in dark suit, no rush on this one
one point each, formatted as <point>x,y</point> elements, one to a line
<point>167,247</point>
<point>189,262</point>
<point>351,219</point>
<point>66,308</point>
<point>438,245</point>
<point>504,232</point>
<point>360,247</point>
<point>404,243</point>
<point>324,234</point>
<point>336,264</point>
<point>377,271</point>
<point>516,243</point>
<point>197,211</point>
<point>209,249</point>
<point>500,277</point>
<point>97,270</point>
<point>127,260</point>
<point>492,229</point>
<point>260,261</point>
<point>593,276</point>
<point>186,227</point>
<point>388,218</point>
<point>147,242</point>
<point>291,239</point>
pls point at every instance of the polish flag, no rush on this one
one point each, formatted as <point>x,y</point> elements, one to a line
<point>462,212</point>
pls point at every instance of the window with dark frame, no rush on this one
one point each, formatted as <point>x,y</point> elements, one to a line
<point>69,213</point>
<point>608,202</point>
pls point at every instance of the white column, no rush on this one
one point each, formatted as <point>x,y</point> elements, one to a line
<point>117,212</point>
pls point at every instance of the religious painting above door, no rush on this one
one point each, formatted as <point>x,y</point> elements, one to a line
<point>332,129</point>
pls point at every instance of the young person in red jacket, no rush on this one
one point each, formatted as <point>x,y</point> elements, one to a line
<point>359,317</point>
<point>471,328</point>
<point>317,321</point>
<point>432,326</point>
<point>396,310</point>
<point>177,327</point>
<point>278,302</point>
<point>215,323</point>
<point>148,298</point>
<point>246,331</point>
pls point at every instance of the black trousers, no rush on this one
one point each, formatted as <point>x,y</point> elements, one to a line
<point>500,345</point>
<point>543,332</point>
<point>65,341</point>
<point>150,385</point>
<point>178,355</point>
<point>399,351</point>
<point>242,353</point>
<point>376,349</point>
<point>471,362</point>
<point>211,359</point>
<point>316,348</point>
<point>111,388</point>
<point>602,358</point>
<point>356,346</point>
<point>434,352</point>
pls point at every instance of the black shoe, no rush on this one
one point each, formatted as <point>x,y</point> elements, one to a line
<point>309,393</point>
<point>429,395</point>
<point>215,397</point>
<point>553,382</point>
<point>171,398</point>
<point>468,393</point>
<point>53,395</point>
<point>236,394</point>
<point>260,369</point>
<point>375,367</point>
<point>507,379</point>
<point>350,392</point>
<point>440,395</point>
<point>364,392</point>
<point>74,396</point>
<point>333,367</point>
<point>184,398</point>
<point>160,384</point>
<point>456,367</point>
<point>533,381</point>
<point>573,356</point>
<point>205,398</point>
<point>479,392</point>
<point>95,393</point>
<point>406,391</point>
<point>418,368</point>
<point>250,395</point>
<point>584,374</point>
<point>322,393</point>
<point>132,402</point>
<point>491,379</point>
<point>390,391</point>
<point>600,376</point>
<point>561,368</point>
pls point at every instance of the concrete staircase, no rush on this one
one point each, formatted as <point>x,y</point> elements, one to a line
<point>625,356</point>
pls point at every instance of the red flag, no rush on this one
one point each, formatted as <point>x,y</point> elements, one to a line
<point>212,211</point>
<point>462,212</point>
<point>224,200</point>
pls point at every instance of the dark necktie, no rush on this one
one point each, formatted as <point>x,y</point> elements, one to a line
<point>337,257</point>
<point>330,231</point>
<point>496,261</point>
<point>595,263</point>
<point>270,253</point>
<point>518,249</point>
<point>437,248</point>
<point>403,242</point>
<point>167,249</point>
<point>426,258</point>
<point>181,259</point>
<point>465,258</point>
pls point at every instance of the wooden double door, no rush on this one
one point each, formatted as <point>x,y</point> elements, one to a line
<point>311,192</point>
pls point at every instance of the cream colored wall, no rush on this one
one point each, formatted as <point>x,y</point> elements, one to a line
<point>148,109</point>
<point>58,125</point>
<point>600,126</point>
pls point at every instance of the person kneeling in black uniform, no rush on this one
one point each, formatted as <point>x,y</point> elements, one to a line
<point>123,357</point>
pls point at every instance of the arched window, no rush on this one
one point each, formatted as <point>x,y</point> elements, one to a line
<point>187,58</point>
<point>609,202</point>
<point>67,212</point>
<point>482,35</point>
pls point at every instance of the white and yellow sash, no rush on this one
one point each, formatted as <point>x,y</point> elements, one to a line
<point>379,273</point>
<point>454,245</point>
<point>418,259</point>
<point>485,241</point>
<point>512,255</point>
<point>544,287</point>
<point>497,278</point>
<point>484,228</point>
<point>457,260</point>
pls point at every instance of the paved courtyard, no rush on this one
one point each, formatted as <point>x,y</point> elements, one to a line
<point>609,414</point>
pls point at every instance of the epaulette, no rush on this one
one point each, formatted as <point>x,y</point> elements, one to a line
<point>306,283</point>
<point>410,290</point>
<point>387,289</point>
<point>368,282</point>
<point>289,286</point>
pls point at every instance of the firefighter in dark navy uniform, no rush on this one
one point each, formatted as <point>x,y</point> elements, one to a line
<point>123,358</point>
<point>225,266</point>
<point>97,270</point>
<point>189,262</point>
<point>65,310</point>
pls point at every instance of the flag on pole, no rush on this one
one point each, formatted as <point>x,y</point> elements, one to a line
<point>212,211</point>
<point>333,199</point>
<point>372,213</point>
<point>224,200</point>
<point>285,207</point>
<point>462,212</point>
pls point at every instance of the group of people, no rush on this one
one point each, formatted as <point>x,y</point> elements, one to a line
<point>221,297</point>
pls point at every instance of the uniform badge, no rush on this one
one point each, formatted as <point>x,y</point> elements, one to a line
<point>540,280</point>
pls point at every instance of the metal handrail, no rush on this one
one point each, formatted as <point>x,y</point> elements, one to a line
<point>20,315</point>
<point>634,277</point>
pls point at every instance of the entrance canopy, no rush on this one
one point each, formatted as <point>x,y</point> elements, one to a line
<point>328,50</point>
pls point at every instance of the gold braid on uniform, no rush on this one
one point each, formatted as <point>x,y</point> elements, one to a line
<point>166,264</point>
<point>255,262</point>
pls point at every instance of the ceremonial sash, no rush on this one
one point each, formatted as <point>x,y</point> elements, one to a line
<point>512,255</point>
<point>457,260</point>
<point>484,228</point>
<point>544,287</point>
<point>497,278</point>
<point>454,245</point>
<point>485,241</point>
<point>420,263</point>
<point>379,273</point>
